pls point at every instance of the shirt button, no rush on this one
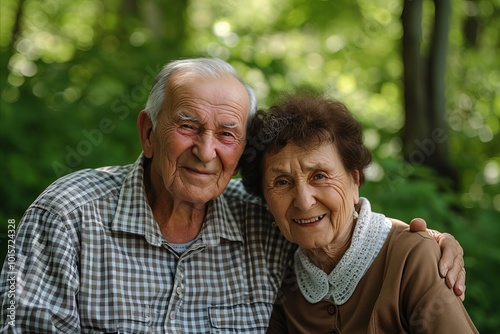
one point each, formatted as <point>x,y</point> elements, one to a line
<point>178,290</point>
<point>172,315</point>
<point>331,310</point>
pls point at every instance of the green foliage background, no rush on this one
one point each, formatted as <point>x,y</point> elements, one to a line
<point>74,75</point>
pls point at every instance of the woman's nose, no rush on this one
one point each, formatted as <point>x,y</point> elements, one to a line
<point>304,197</point>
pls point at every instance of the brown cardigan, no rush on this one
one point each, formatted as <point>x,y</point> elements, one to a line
<point>401,292</point>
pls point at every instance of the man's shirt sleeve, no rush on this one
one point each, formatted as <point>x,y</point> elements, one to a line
<point>45,277</point>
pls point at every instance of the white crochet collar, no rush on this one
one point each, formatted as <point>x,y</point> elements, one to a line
<point>368,238</point>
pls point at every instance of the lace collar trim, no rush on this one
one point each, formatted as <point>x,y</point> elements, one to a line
<point>368,238</point>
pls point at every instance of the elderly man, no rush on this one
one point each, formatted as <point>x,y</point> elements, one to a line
<point>159,246</point>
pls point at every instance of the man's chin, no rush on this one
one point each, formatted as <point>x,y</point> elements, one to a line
<point>197,194</point>
<point>200,189</point>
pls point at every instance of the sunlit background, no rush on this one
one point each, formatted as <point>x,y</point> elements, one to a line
<point>75,74</point>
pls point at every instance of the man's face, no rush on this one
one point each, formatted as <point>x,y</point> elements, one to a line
<point>199,137</point>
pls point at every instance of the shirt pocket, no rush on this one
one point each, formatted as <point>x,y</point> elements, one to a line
<point>123,327</point>
<point>241,318</point>
<point>133,324</point>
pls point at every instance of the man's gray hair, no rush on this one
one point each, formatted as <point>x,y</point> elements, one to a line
<point>207,67</point>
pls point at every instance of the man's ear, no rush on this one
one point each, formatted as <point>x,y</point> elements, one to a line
<point>145,127</point>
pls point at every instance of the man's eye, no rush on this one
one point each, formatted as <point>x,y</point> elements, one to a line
<point>227,137</point>
<point>188,128</point>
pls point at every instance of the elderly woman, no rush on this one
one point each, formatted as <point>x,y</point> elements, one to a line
<point>355,271</point>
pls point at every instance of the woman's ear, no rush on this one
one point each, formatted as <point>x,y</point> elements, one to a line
<point>355,186</point>
<point>356,177</point>
<point>145,127</point>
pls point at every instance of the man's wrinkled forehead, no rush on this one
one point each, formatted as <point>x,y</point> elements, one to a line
<point>185,82</point>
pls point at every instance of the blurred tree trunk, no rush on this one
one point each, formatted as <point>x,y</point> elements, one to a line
<point>130,8</point>
<point>425,136</point>
<point>16,29</point>
<point>165,19</point>
<point>471,24</point>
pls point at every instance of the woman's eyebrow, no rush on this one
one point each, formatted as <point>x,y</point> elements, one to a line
<point>279,170</point>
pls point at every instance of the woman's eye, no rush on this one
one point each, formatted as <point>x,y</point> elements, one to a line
<point>227,134</point>
<point>281,183</point>
<point>319,177</point>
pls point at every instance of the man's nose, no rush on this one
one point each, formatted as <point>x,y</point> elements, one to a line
<point>204,147</point>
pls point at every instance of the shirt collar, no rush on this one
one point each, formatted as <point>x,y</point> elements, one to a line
<point>134,215</point>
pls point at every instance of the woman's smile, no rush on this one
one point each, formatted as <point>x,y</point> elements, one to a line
<point>309,221</point>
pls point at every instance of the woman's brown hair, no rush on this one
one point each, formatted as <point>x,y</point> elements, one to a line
<point>305,120</point>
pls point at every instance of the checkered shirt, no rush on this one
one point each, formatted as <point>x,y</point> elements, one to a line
<point>90,258</point>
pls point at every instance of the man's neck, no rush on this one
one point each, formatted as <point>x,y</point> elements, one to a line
<point>179,223</point>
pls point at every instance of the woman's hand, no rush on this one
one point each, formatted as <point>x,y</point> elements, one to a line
<point>451,264</point>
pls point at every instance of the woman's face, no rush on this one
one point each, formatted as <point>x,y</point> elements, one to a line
<point>310,194</point>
